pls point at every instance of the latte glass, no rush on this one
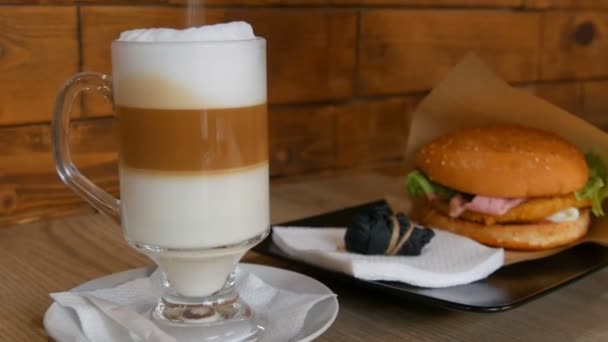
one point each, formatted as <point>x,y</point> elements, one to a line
<point>193,163</point>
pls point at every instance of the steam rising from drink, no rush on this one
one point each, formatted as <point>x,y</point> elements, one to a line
<point>195,15</point>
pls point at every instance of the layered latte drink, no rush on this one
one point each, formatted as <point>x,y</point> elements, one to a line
<point>193,152</point>
<point>193,147</point>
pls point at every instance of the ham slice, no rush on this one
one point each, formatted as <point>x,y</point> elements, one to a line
<point>494,206</point>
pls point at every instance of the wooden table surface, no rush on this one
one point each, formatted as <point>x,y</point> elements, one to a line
<point>40,258</point>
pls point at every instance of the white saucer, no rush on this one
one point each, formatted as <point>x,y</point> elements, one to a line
<point>319,318</point>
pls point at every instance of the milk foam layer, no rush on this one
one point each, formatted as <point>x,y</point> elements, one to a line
<point>183,212</point>
<point>202,75</point>
<point>237,30</point>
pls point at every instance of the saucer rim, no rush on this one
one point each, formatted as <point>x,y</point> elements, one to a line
<point>114,279</point>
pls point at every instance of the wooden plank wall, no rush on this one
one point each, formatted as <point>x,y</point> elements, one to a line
<point>343,75</point>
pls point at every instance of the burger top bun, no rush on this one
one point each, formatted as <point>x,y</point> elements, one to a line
<point>504,161</point>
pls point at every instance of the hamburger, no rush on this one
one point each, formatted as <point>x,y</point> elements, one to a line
<point>508,186</point>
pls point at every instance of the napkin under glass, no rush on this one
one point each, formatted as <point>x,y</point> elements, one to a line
<point>447,260</point>
<point>122,313</point>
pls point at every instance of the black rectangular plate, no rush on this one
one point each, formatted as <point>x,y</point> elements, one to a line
<point>505,289</point>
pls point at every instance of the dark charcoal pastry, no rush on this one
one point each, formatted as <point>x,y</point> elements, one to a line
<point>372,233</point>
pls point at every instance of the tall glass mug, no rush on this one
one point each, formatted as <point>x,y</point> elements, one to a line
<point>193,161</point>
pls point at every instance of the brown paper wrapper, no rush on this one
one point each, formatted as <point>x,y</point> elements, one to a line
<point>472,95</point>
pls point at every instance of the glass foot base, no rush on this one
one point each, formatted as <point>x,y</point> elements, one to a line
<point>227,320</point>
<point>199,301</point>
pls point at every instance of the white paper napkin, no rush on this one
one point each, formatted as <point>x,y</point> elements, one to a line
<point>121,313</point>
<point>447,260</point>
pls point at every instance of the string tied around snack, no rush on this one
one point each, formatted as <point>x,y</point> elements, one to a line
<point>378,231</point>
<point>396,243</point>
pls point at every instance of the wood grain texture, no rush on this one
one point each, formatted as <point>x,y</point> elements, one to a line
<point>352,134</point>
<point>575,45</point>
<point>266,3</point>
<point>30,189</point>
<point>566,95</point>
<point>83,2</point>
<point>570,4</point>
<point>439,3</point>
<point>311,54</point>
<point>585,99</point>
<point>52,256</point>
<point>595,101</point>
<point>38,52</point>
<point>372,131</point>
<point>301,139</point>
<point>409,50</point>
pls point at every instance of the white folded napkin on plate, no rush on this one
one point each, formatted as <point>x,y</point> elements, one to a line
<point>122,313</point>
<point>447,260</point>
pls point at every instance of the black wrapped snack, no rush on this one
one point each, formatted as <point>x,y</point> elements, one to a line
<point>419,238</point>
<point>370,233</point>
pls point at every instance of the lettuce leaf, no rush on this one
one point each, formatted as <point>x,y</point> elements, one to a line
<point>418,184</point>
<point>596,188</point>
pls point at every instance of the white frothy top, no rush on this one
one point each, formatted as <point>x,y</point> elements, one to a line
<point>190,74</point>
<point>237,30</point>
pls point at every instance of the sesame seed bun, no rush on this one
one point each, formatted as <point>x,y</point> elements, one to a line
<point>504,161</point>
<point>529,237</point>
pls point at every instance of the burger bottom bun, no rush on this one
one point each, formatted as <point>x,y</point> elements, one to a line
<point>512,236</point>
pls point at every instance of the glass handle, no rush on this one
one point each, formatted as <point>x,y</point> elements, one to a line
<point>60,132</point>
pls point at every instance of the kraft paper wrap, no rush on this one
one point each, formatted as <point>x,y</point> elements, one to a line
<point>472,95</point>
